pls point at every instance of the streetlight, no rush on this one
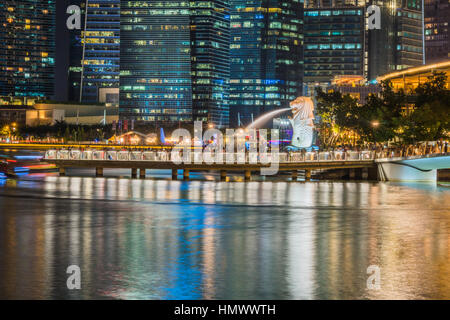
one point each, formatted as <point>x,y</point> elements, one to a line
<point>375,124</point>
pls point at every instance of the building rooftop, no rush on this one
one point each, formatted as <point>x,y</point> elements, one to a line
<point>412,77</point>
<point>423,70</point>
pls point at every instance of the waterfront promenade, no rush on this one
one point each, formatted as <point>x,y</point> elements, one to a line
<point>361,164</point>
<point>243,162</point>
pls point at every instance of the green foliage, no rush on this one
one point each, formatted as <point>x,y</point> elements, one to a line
<point>380,116</point>
<point>337,112</point>
<point>423,115</point>
<point>68,132</point>
<point>429,120</point>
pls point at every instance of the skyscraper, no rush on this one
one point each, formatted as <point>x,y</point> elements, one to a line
<point>174,61</point>
<point>399,43</point>
<point>68,53</point>
<point>437,30</point>
<point>100,75</point>
<point>100,81</point>
<point>266,56</point>
<point>335,45</point>
<point>338,41</point>
<point>210,61</point>
<point>27,51</point>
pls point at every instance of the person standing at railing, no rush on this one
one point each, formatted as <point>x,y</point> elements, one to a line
<point>436,149</point>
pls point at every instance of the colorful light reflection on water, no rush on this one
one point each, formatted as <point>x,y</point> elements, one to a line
<point>162,239</point>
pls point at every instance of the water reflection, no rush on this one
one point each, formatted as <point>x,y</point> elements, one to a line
<point>161,239</point>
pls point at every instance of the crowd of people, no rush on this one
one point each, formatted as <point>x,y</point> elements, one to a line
<point>389,151</point>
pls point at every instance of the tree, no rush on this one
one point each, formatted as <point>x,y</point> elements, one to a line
<point>422,115</point>
<point>429,119</point>
<point>379,119</point>
<point>337,113</point>
<point>63,130</point>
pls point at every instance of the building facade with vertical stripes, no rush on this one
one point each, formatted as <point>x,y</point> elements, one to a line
<point>174,61</point>
<point>266,49</point>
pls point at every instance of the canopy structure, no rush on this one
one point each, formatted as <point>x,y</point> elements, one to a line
<point>410,78</point>
<point>134,137</point>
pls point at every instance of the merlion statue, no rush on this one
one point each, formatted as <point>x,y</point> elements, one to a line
<point>302,122</point>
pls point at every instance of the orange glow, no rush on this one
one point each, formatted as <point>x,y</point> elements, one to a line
<point>425,68</point>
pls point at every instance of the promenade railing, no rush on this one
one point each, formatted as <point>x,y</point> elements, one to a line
<point>199,157</point>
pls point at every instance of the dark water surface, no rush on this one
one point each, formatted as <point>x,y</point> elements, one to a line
<point>162,239</point>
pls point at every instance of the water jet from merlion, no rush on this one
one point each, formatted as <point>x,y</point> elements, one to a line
<point>302,121</point>
<point>266,117</point>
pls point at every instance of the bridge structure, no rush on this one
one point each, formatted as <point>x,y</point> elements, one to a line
<point>414,168</point>
<point>359,163</point>
<point>364,164</point>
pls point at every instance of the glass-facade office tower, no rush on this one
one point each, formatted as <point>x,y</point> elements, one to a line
<point>399,43</point>
<point>334,43</point>
<point>437,30</point>
<point>210,61</point>
<point>317,4</point>
<point>27,50</point>
<point>68,53</point>
<point>174,61</point>
<point>75,53</point>
<point>266,57</point>
<point>101,52</point>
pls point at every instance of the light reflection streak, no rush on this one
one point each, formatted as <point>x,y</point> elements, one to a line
<point>205,239</point>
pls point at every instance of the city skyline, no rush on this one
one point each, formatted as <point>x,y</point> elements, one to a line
<point>220,62</point>
<point>235,156</point>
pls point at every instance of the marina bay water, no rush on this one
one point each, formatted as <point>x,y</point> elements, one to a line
<point>204,239</point>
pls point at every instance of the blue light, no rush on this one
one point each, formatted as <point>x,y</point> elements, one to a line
<point>28,157</point>
<point>312,13</point>
<point>21,170</point>
<point>270,81</point>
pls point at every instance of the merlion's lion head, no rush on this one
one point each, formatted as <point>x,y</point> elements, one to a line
<point>302,108</point>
